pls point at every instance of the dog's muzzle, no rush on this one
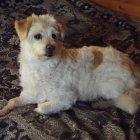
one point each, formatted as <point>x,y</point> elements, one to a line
<point>50,50</point>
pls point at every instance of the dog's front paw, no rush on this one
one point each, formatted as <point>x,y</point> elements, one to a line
<point>42,108</point>
<point>3,112</point>
<point>39,110</point>
<point>52,107</point>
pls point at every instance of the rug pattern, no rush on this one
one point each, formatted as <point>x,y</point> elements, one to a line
<point>86,24</point>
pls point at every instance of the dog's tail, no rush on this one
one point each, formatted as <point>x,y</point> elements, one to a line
<point>130,100</point>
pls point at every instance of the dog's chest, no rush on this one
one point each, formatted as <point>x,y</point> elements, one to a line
<point>40,73</point>
<point>46,80</point>
<point>37,79</point>
<point>45,76</point>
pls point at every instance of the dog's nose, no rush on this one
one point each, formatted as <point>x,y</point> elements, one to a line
<point>49,50</point>
<point>50,47</point>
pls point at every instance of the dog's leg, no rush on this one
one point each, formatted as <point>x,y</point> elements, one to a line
<point>56,105</point>
<point>129,101</point>
<point>53,106</point>
<point>12,103</point>
<point>114,89</point>
<point>111,89</point>
<point>64,100</point>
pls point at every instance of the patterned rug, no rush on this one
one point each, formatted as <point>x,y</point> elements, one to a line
<point>86,24</point>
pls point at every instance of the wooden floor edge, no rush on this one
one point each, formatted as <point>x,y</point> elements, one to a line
<point>122,6</point>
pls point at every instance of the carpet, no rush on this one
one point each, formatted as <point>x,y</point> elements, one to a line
<point>86,24</point>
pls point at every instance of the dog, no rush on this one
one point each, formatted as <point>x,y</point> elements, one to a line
<point>55,77</point>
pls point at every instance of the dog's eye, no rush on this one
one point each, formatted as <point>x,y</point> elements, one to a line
<point>54,36</point>
<point>38,36</point>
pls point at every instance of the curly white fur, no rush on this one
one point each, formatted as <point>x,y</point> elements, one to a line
<point>56,83</point>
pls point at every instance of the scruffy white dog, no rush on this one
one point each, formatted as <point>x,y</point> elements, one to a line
<point>55,77</point>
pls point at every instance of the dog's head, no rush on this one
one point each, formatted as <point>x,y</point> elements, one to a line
<point>42,34</point>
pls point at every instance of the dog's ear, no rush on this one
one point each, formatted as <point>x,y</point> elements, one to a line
<point>61,26</point>
<point>22,27</point>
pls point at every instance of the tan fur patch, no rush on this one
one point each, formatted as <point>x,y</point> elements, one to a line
<point>22,27</point>
<point>61,26</point>
<point>128,101</point>
<point>71,53</point>
<point>98,57</point>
